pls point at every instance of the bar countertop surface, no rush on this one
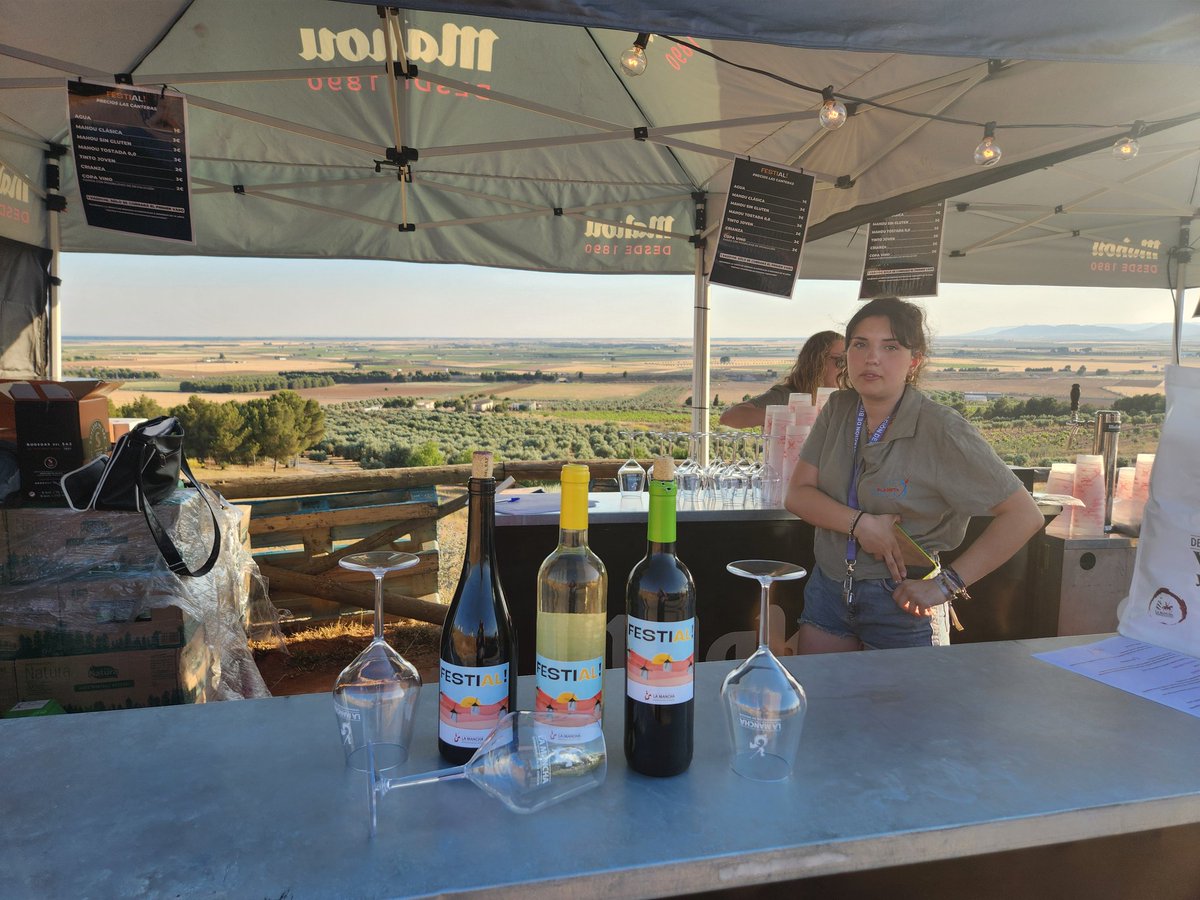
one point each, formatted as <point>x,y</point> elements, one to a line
<point>907,756</point>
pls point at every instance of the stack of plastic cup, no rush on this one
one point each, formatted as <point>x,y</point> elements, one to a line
<point>774,434</point>
<point>1088,521</point>
<point>1122,509</point>
<point>823,396</point>
<point>1061,481</point>
<point>796,435</point>
<point>1142,468</point>
<point>802,409</point>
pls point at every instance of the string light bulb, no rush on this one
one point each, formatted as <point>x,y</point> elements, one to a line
<point>988,152</point>
<point>633,60</point>
<point>833,112</point>
<point>1128,146</point>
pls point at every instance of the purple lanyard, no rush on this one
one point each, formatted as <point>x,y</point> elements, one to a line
<point>852,490</point>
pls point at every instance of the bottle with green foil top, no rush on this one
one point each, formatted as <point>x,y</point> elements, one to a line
<point>660,642</point>
<point>572,592</point>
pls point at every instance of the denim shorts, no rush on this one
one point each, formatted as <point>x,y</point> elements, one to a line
<point>873,618</point>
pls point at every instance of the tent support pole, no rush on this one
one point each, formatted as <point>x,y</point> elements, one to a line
<point>1185,240</point>
<point>54,313</point>
<point>700,349</point>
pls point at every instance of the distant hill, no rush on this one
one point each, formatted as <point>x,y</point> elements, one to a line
<point>1064,333</point>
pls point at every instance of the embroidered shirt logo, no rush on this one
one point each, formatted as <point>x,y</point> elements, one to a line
<point>894,489</point>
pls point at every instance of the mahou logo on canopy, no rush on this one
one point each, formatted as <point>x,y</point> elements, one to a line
<point>461,47</point>
<point>13,186</point>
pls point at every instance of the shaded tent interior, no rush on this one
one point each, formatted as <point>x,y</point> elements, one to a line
<point>532,148</point>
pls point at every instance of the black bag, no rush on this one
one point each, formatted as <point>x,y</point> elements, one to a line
<point>143,469</point>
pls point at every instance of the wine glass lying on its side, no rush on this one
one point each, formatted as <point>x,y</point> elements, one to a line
<point>527,762</point>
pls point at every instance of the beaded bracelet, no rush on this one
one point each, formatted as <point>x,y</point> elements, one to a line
<point>854,524</point>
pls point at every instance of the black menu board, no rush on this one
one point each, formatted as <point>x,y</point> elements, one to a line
<point>762,231</point>
<point>903,253</point>
<point>130,150</point>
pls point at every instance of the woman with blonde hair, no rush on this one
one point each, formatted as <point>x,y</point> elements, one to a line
<point>818,364</point>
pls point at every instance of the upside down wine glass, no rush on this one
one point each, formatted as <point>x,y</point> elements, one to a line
<point>764,704</point>
<point>528,761</point>
<point>631,477</point>
<point>376,695</point>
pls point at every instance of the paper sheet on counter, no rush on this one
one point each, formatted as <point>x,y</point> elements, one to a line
<point>530,504</point>
<point>1164,676</point>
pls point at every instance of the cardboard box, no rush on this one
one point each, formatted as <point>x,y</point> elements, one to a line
<point>60,425</point>
<point>8,686</point>
<point>164,628</point>
<point>40,543</point>
<point>120,680</point>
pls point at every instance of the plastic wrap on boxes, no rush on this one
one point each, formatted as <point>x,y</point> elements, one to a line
<point>74,582</point>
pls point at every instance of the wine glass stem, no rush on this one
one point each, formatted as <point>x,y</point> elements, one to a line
<point>764,610</point>
<point>452,774</point>
<point>379,606</point>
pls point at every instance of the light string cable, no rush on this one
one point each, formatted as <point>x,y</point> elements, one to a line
<point>932,117</point>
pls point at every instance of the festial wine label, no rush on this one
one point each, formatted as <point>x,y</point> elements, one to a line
<point>471,702</point>
<point>660,661</point>
<point>574,691</point>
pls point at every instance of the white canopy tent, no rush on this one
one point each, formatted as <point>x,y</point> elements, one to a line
<point>326,129</point>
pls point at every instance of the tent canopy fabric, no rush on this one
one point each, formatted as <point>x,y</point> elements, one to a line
<point>535,151</point>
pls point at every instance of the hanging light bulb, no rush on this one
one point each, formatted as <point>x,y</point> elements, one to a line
<point>1128,146</point>
<point>833,112</point>
<point>633,60</point>
<point>988,152</point>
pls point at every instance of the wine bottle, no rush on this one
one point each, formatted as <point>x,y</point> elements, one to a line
<point>572,593</point>
<point>478,666</point>
<point>660,641</point>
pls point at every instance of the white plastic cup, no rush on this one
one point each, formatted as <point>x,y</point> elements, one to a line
<point>1061,481</point>
<point>823,396</point>
<point>1088,521</point>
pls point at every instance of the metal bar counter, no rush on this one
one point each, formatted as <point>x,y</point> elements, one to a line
<point>907,756</point>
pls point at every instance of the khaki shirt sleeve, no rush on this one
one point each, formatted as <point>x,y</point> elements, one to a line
<point>776,396</point>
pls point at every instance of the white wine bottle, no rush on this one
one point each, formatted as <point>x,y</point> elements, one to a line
<point>478,669</point>
<point>660,641</point>
<point>572,592</point>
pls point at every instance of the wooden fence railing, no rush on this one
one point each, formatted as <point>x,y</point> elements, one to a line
<point>298,544</point>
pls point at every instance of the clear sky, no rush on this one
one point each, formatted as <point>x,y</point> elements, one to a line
<point>190,296</point>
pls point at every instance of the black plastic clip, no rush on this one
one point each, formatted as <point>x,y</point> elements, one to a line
<point>55,280</point>
<point>957,254</point>
<point>558,211</point>
<point>402,156</point>
<point>962,207</point>
<point>406,227</point>
<point>56,203</point>
<point>56,151</point>
<point>641,133</point>
<point>123,78</point>
<point>1058,209</point>
<point>53,182</point>
<point>844,182</point>
<point>239,189</point>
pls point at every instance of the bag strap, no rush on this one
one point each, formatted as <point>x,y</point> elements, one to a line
<point>175,561</point>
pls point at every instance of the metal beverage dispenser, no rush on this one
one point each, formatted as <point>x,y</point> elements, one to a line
<point>1108,432</point>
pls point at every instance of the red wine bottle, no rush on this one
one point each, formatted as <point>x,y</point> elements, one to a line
<point>660,641</point>
<point>478,667</point>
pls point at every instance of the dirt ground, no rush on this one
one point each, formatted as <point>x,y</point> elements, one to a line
<point>316,654</point>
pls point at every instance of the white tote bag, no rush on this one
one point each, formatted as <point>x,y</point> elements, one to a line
<point>1163,606</point>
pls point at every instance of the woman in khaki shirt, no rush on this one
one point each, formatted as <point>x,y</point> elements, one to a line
<point>882,454</point>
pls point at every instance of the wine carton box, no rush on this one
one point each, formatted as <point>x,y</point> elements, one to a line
<point>164,628</point>
<point>43,543</point>
<point>60,425</point>
<point>8,686</point>
<point>120,680</point>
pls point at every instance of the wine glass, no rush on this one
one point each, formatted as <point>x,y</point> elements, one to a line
<point>765,705</point>
<point>376,695</point>
<point>631,477</point>
<point>527,762</point>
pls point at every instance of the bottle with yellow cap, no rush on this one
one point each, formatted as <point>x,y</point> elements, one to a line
<point>572,592</point>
